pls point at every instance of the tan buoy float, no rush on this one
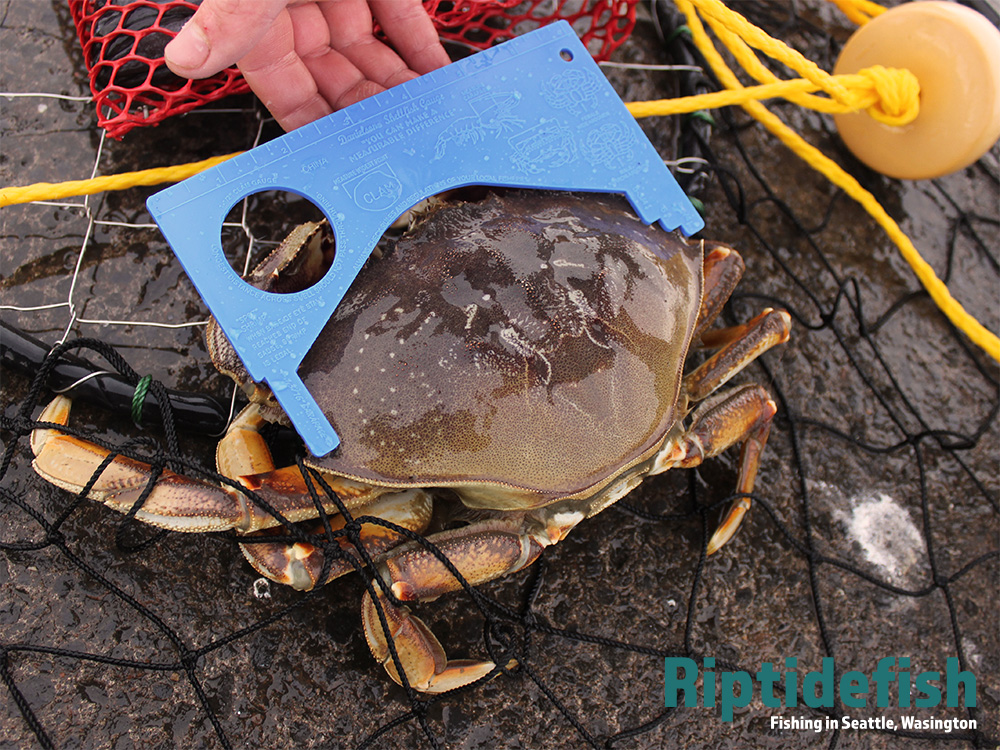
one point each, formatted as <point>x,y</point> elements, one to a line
<point>954,52</point>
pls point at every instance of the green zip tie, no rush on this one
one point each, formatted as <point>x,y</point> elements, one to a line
<point>702,115</point>
<point>682,29</point>
<point>139,398</point>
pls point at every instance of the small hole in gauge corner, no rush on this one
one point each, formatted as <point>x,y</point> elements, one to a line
<point>252,232</point>
<point>566,55</point>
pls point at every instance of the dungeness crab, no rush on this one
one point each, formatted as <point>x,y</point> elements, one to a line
<point>515,364</point>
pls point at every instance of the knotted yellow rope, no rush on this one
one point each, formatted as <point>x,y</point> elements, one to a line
<point>739,35</point>
<point>895,94</point>
<point>890,95</point>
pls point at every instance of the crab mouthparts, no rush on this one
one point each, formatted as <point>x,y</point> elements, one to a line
<point>559,525</point>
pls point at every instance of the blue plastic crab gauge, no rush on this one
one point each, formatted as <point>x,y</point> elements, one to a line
<point>534,112</point>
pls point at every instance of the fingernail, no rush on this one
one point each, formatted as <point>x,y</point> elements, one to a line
<point>189,49</point>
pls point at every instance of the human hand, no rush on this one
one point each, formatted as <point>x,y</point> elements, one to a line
<point>306,58</point>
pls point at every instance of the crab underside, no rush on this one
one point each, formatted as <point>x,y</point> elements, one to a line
<point>509,368</point>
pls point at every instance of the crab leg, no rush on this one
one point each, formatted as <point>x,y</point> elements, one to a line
<point>181,503</point>
<point>175,502</point>
<point>769,328</point>
<point>300,564</point>
<point>480,552</point>
<point>723,269</point>
<point>742,415</point>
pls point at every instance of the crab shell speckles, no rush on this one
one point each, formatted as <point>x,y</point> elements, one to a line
<point>532,342</point>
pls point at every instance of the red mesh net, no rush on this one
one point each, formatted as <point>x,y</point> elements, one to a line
<point>602,24</point>
<point>123,43</point>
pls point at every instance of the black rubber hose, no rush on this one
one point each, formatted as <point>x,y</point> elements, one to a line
<point>192,411</point>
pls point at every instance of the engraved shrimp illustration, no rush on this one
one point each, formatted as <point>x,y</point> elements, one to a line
<point>494,115</point>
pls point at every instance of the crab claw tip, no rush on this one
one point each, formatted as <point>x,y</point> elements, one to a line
<point>727,528</point>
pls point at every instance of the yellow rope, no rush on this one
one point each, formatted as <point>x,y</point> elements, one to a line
<point>47,191</point>
<point>890,96</point>
<point>723,20</point>
<point>893,95</point>
<point>859,11</point>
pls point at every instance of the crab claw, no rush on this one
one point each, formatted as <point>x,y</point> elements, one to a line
<point>421,654</point>
<point>176,502</point>
<point>301,564</point>
<point>480,552</point>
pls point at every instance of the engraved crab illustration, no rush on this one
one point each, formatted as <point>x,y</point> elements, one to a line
<point>508,368</point>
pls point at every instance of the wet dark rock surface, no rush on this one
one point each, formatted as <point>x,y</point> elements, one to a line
<point>860,471</point>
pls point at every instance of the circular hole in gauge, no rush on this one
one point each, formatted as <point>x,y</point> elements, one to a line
<point>278,230</point>
<point>566,55</point>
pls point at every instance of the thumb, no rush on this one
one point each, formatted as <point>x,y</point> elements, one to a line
<point>219,34</point>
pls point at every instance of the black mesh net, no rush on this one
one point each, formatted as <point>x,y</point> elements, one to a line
<point>874,530</point>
